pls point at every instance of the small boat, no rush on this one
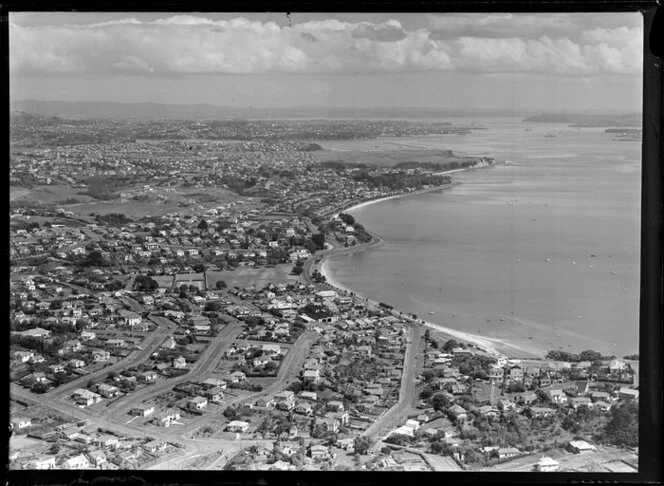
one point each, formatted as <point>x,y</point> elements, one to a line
<point>432,312</point>
<point>548,259</point>
<point>551,134</point>
<point>573,263</point>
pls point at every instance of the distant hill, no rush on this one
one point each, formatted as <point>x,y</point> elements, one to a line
<point>102,109</point>
<point>589,120</point>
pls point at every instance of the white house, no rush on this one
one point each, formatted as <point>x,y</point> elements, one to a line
<point>238,426</point>
<point>546,464</point>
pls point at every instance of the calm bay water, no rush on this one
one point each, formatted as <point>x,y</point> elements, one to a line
<point>543,251</point>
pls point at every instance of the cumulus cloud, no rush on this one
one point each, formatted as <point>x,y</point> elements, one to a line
<point>190,44</point>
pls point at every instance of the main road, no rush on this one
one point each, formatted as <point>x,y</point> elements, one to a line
<point>407,389</point>
<point>149,345</point>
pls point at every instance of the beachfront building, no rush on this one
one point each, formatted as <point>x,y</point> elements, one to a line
<point>546,464</point>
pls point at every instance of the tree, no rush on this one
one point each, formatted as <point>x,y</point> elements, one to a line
<point>590,355</point>
<point>297,270</point>
<point>347,218</point>
<point>220,285</point>
<point>94,259</point>
<point>213,306</point>
<point>450,345</point>
<point>199,268</point>
<point>361,444</point>
<point>319,240</point>
<point>203,226</point>
<point>427,392</point>
<point>143,283</point>
<point>114,285</point>
<point>440,401</point>
<point>623,426</point>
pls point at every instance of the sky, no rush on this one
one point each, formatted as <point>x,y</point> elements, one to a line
<point>499,61</point>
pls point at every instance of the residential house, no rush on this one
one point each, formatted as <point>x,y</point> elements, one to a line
<point>77,462</point>
<point>88,335</point>
<point>215,394</point>
<point>577,402</point>
<point>97,458</point>
<point>527,398</point>
<point>547,464</point>
<point>155,446</point>
<point>311,376</point>
<point>335,406</point>
<point>85,397</point>
<point>318,452</point>
<point>129,318</point>
<point>238,376</point>
<point>179,362</point>
<point>285,400</point>
<point>23,356</point>
<point>628,393</point>
<point>21,422</point>
<point>616,366</point>
<point>169,343</point>
<point>197,403</point>
<point>76,363</point>
<point>166,418</point>
<point>43,463</point>
<point>238,426</point>
<point>108,391</point>
<point>538,412</point>
<point>488,411</point>
<point>303,408</point>
<point>507,452</point>
<point>265,402</point>
<point>307,395</point>
<point>458,412</point>
<point>107,440</point>
<point>37,332</point>
<point>496,374</point>
<point>580,447</point>
<point>148,376</point>
<point>101,355</point>
<point>142,410</point>
<point>556,395</point>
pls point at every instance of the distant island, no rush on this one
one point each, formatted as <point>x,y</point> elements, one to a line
<point>588,120</point>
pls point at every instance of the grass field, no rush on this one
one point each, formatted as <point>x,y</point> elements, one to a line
<point>260,277</point>
<point>71,199</point>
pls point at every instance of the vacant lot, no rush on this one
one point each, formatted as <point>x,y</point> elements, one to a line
<point>52,194</point>
<point>247,276</point>
<point>603,460</point>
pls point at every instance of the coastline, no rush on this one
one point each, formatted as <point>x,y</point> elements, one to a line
<point>492,346</point>
<point>362,204</point>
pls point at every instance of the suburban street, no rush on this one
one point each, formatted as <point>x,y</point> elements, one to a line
<point>407,390</point>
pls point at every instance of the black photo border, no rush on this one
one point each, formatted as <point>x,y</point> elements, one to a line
<point>652,268</point>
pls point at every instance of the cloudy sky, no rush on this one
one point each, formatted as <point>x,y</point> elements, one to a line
<point>478,61</point>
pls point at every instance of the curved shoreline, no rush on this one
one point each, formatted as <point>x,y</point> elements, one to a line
<point>493,346</point>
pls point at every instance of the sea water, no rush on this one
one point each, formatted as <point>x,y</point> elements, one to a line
<point>542,251</point>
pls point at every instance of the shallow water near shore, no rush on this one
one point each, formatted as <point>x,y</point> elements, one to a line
<point>543,251</point>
